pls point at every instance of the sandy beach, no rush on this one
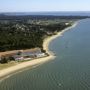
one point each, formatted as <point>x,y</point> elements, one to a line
<point>12,69</point>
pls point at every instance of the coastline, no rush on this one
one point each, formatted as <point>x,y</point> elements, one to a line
<point>49,39</point>
<point>13,69</point>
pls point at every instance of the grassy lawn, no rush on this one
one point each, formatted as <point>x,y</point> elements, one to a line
<point>3,66</point>
<point>12,63</point>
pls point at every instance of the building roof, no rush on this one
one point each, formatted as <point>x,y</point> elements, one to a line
<point>8,53</point>
<point>13,52</point>
<point>31,50</point>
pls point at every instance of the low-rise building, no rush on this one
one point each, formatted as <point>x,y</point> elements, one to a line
<point>27,54</point>
<point>40,55</point>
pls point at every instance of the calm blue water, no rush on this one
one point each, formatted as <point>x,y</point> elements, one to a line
<point>69,71</point>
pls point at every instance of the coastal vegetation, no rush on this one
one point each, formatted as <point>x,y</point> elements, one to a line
<point>18,35</point>
<point>26,32</point>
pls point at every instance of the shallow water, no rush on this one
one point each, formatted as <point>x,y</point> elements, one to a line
<point>69,71</point>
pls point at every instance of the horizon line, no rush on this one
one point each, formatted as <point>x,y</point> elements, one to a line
<point>39,11</point>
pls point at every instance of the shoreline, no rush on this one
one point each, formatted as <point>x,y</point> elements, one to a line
<point>10,70</point>
<point>49,39</point>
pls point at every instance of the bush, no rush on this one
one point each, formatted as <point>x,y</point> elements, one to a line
<point>3,60</point>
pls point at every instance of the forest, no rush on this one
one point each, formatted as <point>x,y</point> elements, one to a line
<point>23,32</point>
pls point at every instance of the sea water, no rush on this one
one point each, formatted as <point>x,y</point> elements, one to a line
<point>70,70</point>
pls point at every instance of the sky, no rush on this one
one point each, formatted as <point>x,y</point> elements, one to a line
<point>44,5</point>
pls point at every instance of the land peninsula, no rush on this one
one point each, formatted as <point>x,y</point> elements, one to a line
<point>27,39</point>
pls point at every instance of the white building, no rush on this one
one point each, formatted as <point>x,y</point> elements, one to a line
<point>40,55</point>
